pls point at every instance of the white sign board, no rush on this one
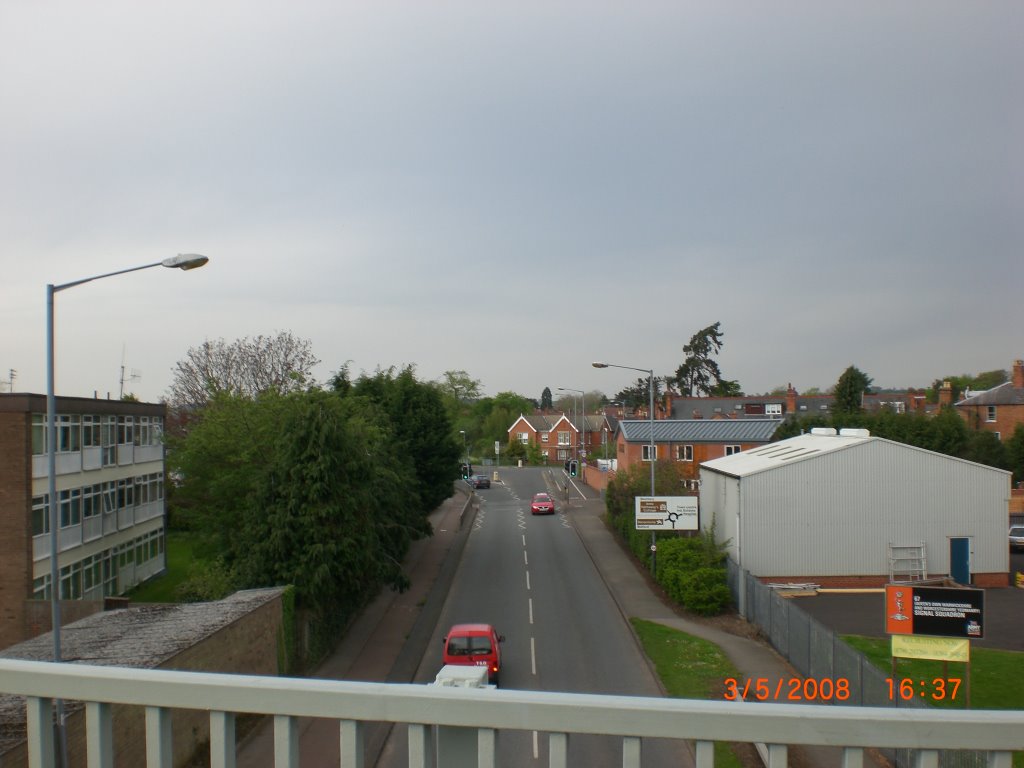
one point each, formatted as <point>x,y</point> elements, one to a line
<point>666,513</point>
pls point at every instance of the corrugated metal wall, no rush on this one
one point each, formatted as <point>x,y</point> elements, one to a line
<point>835,514</point>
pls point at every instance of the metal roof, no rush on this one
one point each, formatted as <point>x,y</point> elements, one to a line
<point>700,430</point>
<point>797,448</point>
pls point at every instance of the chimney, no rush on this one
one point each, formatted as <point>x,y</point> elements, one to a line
<point>790,399</point>
<point>1018,374</point>
<point>946,394</point>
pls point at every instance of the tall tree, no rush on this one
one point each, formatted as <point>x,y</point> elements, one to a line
<point>638,395</point>
<point>245,367</point>
<point>699,374</point>
<point>545,399</point>
<point>849,391</point>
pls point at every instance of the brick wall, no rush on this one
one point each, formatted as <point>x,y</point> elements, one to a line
<point>16,522</point>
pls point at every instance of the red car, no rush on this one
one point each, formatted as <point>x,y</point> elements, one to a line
<point>542,504</point>
<point>474,645</point>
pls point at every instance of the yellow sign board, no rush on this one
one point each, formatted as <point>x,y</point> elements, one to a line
<point>938,648</point>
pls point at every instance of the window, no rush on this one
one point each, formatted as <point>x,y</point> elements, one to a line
<point>691,485</point>
<point>91,431</point>
<point>647,453</point>
<point>108,438</point>
<point>524,437</point>
<point>69,433</point>
<point>144,434</point>
<point>684,453</point>
<point>125,494</point>
<point>125,430</point>
<point>92,500</point>
<point>38,434</point>
<point>731,449</point>
<point>773,410</point>
<point>40,515</point>
<point>70,507</point>
<point>991,413</point>
<point>564,438</point>
<point>544,437</point>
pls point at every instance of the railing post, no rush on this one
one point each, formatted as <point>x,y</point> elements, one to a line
<point>286,742</point>
<point>99,735</point>
<point>351,745</point>
<point>558,750</point>
<point>41,733</point>
<point>853,757</point>
<point>222,739</point>
<point>705,754</point>
<point>631,752</point>
<point>777,755</point>
<point>486,741</point>
<point>927,758</point>
<point>158,738</point>
<point>420,745</point>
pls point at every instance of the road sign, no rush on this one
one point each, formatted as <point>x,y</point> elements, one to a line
<point>666,513</point>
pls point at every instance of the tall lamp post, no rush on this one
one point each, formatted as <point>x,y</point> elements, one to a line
<point>583,417</point>
<point>465,446</point>
<point>650,450</point>
<point>181,261</point>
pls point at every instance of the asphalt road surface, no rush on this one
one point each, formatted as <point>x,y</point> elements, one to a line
<point>531,577</point>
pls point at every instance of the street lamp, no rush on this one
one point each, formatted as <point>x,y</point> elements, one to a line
<point>583,418</point>
<point>650,450</point>
<point>181,261</point>
<point>465,448</point>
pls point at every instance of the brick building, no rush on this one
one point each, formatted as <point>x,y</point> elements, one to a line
<point>558,438</point>
<point>110,487</point>
<point>1000,409</point>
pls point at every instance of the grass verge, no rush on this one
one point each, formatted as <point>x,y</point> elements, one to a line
<point>689,668</point>
<point>164,588</point>
<point>996,677</point>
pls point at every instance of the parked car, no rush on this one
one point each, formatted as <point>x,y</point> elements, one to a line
<point>474,645</point>
<point>480,481</point>
<point>1017,537</point>
<point>542,504</point>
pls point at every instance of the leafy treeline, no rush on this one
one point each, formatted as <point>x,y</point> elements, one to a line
<point>691,569</point>
<point>323,489</point>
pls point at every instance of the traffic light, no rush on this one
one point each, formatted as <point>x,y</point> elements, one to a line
<point>465,471</point>
<point>574,468</point>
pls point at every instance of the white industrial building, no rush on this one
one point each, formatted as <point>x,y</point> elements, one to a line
<point>850,510</point>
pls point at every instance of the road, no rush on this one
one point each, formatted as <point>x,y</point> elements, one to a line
<point>533,580</point>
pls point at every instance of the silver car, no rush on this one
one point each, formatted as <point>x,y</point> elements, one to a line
<point>1017,537</point>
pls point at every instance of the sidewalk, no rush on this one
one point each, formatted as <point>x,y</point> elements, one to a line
<point>639,597</point>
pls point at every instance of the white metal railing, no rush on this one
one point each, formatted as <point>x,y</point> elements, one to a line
<point>354,704</point>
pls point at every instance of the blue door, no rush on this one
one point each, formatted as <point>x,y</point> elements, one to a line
<point>960,560</point>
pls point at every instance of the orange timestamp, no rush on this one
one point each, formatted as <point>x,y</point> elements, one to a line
<point>787,689</point>
<point>936,689</point>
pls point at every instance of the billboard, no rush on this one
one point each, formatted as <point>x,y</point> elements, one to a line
<point>937,611</point>
<point>666,513</point>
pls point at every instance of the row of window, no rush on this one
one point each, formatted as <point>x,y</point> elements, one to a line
<point>73,432</point>
<point>682,452</point>
<point>564,438</point>
<point>77,504</point>
<point>101,570</point>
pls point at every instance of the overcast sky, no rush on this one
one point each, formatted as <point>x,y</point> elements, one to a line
<point>515,189</point>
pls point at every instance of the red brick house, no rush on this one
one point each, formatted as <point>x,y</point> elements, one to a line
<point>690,441</point>
<point>557,437</point>
<point>1000,409</point>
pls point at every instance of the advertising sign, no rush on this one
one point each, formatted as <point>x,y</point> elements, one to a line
<point>938,611</point>
<point>666,513</point>
<point>936,648</point>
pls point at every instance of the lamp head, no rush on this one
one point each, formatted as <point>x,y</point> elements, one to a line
<point>600,365</point>
<point>185,261</point>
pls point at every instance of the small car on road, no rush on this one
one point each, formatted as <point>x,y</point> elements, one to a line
<point>474,645</point>
<point>1017,537</point>
<point>542,504</point>
<point>480,481</point>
